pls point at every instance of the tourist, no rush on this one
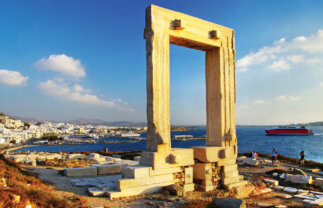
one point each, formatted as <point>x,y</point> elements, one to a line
<point>254,155</point>
<point>105,149</point>
<point>302,159</point>
<point>274,156</point>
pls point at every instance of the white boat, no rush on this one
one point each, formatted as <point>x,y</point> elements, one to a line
<point>130,134</point>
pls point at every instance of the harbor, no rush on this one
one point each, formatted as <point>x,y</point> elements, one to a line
<point>249,139</point>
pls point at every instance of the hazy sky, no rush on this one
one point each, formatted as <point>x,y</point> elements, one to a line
<point>63,60</point>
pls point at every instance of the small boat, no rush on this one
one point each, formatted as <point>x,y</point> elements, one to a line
<point>130,134</point>
<point>289,131</point>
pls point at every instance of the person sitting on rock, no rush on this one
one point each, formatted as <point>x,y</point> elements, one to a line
<point>254,155</point>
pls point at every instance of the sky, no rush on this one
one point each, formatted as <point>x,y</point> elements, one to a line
<point>64,60</point>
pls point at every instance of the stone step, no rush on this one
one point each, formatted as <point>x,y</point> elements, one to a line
<point>148,189</point>
<point>131,183</point>
<point>135,171</point>
<point>236,184</point>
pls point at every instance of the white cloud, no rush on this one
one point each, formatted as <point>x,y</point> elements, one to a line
<point>243,106</point>
<point>279,65</point>
<point>12,78</point>
<point>284,55</point>
<point>289,98</point>
<point>77,94</point>
<point>63,64</point>
<point>243,69</point>
<point>321,84</point>
<point>79,88</point>
<point>259,102</point>
<point>295,58</point>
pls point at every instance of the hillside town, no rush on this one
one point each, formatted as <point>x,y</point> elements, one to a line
<point>14,131</point>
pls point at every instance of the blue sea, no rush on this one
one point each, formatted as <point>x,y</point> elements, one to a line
<point>249,139</point>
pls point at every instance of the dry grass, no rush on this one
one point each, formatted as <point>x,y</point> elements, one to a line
<point>66,163</point>
<point>30,189</point>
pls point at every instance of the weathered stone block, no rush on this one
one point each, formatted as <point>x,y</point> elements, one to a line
<point>319,182</point>
<point>113,159</point>
<point>94,155</point>
<point>153,172</point>
<point>131,183</point>
<point>231,174</point>
<point>163,160</point>
<point>87,171</point>
<point>299,179</point>
<point>188,175</point>
<point>251,162</point>
<point>148,189</point>
<point>73,156</point>
<point>318,202</point>
<point>213,154</point>
<point>96,192</point>
<point>52,156</point>
<point>135,171</point>
<point>279,188</point>
<point>274,182</point>
<point>226,162</point>
<point>202,171</point>
<point>290,190</point>
<point>230,168</point>
<point>188,187</point>
<point>227,181</point>
<point>96,159</point>
<point>109,169</point>
<point>235,184</point>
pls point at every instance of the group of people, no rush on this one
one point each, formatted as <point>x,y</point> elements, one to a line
<point>274,156</point>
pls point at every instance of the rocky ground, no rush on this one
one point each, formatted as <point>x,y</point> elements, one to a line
<point>258,192</point>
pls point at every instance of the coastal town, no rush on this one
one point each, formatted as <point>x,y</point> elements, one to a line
<point>14,131</point>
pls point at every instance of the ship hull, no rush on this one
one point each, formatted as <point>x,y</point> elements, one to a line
<point>289,132</point>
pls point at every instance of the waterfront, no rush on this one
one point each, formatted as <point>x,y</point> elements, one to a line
<point>249,139</point>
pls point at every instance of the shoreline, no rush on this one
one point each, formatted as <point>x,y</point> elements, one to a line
<point>290,160</point>
<point>130,154</point>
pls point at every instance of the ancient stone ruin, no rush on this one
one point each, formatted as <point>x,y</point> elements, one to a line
<point>203,167</point>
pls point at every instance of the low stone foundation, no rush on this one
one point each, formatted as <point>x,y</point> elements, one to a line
<point>216,167</point>
<point>176,167</point>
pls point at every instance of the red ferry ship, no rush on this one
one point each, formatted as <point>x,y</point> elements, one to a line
<point>289,131</point>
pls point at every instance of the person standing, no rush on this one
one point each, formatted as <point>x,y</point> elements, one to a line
<point>274,156</point>
<point>302,159</point>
